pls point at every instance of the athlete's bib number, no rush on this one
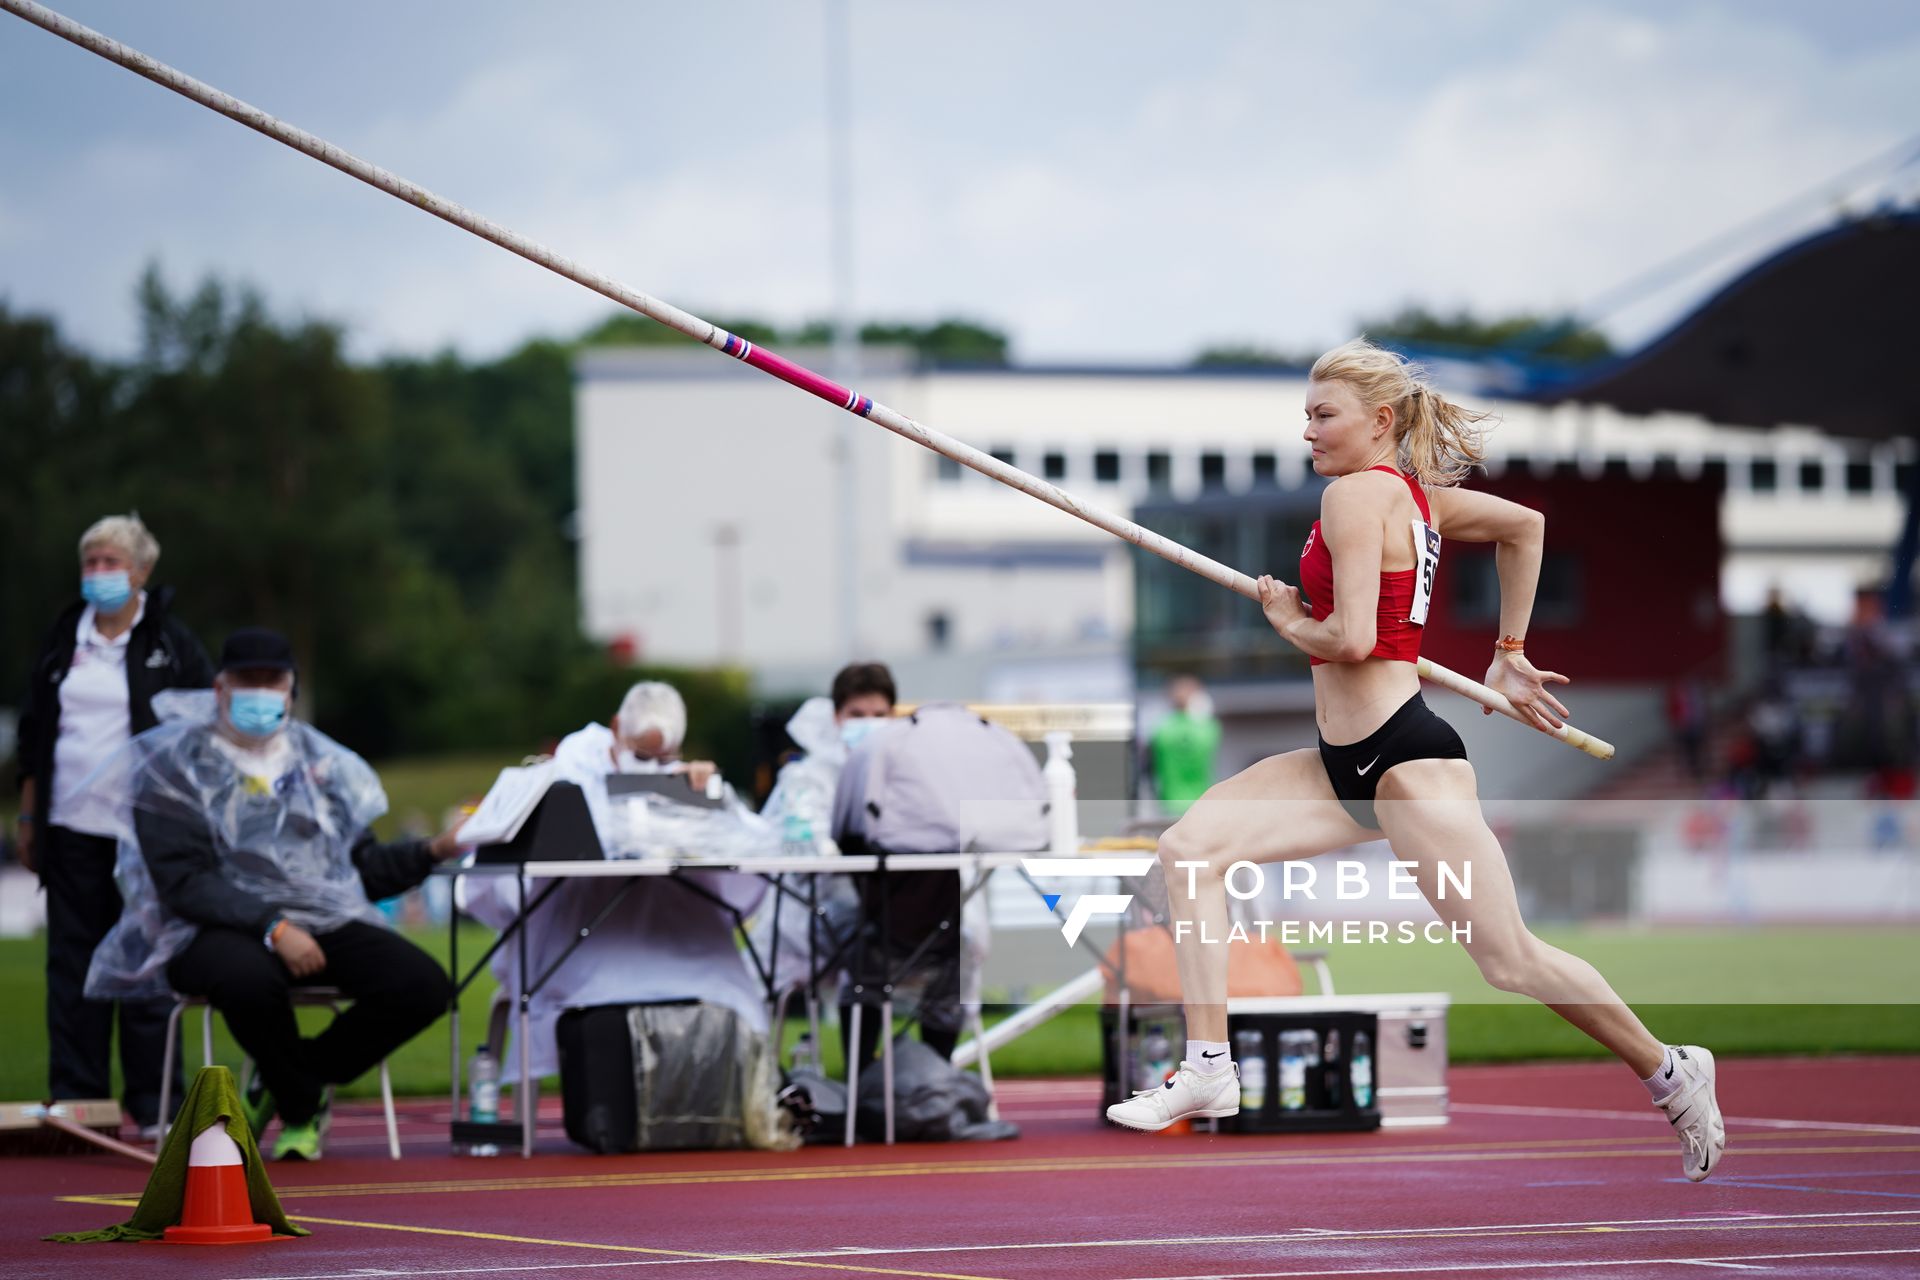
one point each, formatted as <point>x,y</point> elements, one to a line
<point>1426,549</point>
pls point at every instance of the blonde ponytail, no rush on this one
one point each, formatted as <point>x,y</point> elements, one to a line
<point>1436,440</point>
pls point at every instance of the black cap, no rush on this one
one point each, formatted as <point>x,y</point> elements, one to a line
<point>256,648</point>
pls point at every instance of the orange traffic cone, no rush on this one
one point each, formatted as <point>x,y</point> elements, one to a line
<point>216,1209</point>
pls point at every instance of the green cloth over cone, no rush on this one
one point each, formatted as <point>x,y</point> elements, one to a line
<point>213,1099</point>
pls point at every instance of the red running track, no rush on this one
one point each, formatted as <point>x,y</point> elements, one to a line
<point>1544,1171</point>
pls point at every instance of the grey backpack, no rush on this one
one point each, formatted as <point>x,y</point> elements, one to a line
<point>943,780</point>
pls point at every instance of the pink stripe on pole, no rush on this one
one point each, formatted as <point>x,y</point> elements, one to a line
<point>800,376</point>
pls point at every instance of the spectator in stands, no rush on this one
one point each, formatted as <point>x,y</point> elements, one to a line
<point>91,689</point>
<point>255,829</point>
<point>1786,632</point>
<point>1687,717</point>
<point>1184,747</point>
<point>1776,732</point>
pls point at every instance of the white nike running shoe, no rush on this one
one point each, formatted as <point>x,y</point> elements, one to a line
<point>1188,1094</point>
<point>1694,1113</point>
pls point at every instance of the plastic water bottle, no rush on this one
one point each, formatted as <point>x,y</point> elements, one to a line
<point>483,1090</point>
<point>1253,1070</point>
<point>1156,1057</point>
<point>804,1058</point>
<point>1361,1072</point>
<point>1293,1071</point>
<point>1063,792</point>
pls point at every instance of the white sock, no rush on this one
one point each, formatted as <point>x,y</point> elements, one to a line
<point>1208,1055</point>
<point>1665,1078</point>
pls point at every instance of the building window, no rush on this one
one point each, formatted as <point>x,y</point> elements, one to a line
<point>1265,469</point>
<point>1004,453</point>
<point>1213,471</point>
<point>1053,466</point>
<point>1903,476</point>
<point>1476,590</point>
<point>1764,475</point>
<point>1159,471</point>
<point>1106,466</point>
<point>1859,476</point>
<point>1813,475</point>
<point>1714,472</point>
<point>939,630</point>
<point>1307,473</point>
<point>945,469</point>
<point>1666,467</point>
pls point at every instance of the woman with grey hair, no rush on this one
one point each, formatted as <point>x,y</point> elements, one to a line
<point>90,690</point>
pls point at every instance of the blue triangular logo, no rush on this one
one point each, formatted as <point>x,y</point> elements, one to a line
<point>1053,900</point>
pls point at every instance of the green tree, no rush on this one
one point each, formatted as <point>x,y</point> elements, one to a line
<point>1248,356</point>
<point>1562,336</point>
<point>55,408</point>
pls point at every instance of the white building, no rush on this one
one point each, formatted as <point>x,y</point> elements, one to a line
<point>709,499</point>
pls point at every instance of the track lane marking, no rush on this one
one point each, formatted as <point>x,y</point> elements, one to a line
<point>1301,1235</point>
<point>1556,1264</point>
<point>800,1173</point>
<point>1851,1126</point>
<point>682,1255</point>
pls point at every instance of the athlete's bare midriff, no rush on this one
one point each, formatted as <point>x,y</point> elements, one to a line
<point>1352,699</point>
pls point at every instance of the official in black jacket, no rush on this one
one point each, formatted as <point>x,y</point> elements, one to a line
<point>91,689</point>
<point>280,875</point>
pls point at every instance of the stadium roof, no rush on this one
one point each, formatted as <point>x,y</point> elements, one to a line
<point>1824,333</point>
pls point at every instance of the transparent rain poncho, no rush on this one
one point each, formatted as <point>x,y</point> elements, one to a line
<point>800,808</point>
<point>288,842</point>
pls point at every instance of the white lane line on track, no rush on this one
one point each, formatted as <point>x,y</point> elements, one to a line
<point>1496,1109</point>
<point>1557,1264</point>
<point>1296,1235</point>
<point>1729,1261</point>
<point>1300,1235</point>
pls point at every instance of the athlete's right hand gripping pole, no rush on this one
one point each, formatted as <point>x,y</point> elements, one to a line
<point>712,335</point>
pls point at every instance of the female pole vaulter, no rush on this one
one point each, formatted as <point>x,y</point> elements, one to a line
<point>1386,764</point>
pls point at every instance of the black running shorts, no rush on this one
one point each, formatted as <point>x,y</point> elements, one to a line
<point>1411,733</point>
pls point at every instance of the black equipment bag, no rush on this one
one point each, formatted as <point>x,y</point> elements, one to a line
<point>668,1076</point>
<point>597,1093</point>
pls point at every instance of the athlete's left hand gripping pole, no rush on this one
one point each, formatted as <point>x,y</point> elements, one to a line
<point>719,339</point>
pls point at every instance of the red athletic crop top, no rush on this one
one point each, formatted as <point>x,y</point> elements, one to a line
<point>1397,636</point>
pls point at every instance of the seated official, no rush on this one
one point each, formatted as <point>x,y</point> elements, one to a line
<point>800,807</point>
<point>254,828</point>
<point>665,938</point>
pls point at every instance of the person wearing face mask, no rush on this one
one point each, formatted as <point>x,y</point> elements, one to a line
<point>90,691</point>
<point>826,729</point>
<point>255,830</point>
<point>662,939</point>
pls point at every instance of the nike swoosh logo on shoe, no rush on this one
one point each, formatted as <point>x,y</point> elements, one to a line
<point>1370,764</point>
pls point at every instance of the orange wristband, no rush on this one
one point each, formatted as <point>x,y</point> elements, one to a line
<point>1510,644</point>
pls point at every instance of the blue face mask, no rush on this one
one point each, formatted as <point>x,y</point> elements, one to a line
<point>107,591</point>
<point>854,732</point>
<point>258,713</point>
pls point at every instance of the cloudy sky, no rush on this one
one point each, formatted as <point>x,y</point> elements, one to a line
<point>1108,181</point>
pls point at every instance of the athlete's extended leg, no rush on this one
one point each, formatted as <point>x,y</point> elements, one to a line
<point>1280,808</point>
<point>1430,812</point>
